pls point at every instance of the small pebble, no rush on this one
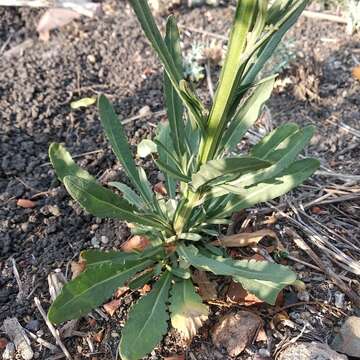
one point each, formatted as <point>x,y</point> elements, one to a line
<point>9,351</point>
<point>104,239</point>
<point>95,242</point>
<point>33,325</point>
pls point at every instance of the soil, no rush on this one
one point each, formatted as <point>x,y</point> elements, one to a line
<point>111,56</point>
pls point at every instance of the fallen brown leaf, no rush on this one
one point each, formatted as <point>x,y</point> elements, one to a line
<point>92,322</point>
<point>207,288</point>
<point>99,336</point>
<point>356,72</point>
<point>54,18</point>
<point>235,331</point>
<point>175,357</point>
<point>160,188</point>
<point>135,243</point>
<point>26,204</point>
<point>244,239</point>
<point>261,336</point>
<point>112,306</point>
<point>145,289</point>
<point>77,267</point>
<point>3,343</point>
<point>119,292</point>
<point>237,294</point>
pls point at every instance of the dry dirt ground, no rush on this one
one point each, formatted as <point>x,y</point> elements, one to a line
<point>39,80</point>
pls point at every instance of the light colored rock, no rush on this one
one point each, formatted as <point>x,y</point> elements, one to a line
<point>310,351</point>
<point>9,352</point>
<point>235,331</point>
<point>348,339</point>
<point>161,7</point>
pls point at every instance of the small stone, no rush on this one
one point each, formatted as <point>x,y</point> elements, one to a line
<point>339,299</point>
<point>310,351</point>
<point>348,339</point>
<point>9,352</point>
<point>91,59</point>
<point>104,239</point>
<point>54,210</point>
<point>95,242</point>
<point>33,325</point>
<point>235,331</point>
<point>114,334</point>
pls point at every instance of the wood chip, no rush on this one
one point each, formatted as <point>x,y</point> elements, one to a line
<point>26,203</point>
<point>207,288</point>
<point>112,306</point>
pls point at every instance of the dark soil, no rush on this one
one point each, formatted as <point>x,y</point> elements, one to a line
<point>111,56</point>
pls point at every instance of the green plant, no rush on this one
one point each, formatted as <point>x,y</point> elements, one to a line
<point>205,184</point>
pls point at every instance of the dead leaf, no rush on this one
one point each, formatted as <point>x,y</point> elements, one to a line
<point>160,188</point>
<point>119,292</point>
<point>145,289</point>
<point>54,18</point>
<point>99,336</point>
<point>175,357</point>
<point>244,239</point>
<point>261,336</point>
<point>3,343</point>
<point>207,288</point>
<point>356,72</point>
<point>135,243</point>
<point>235,331</point>
<point>26,204</point>
<point>112,306</point>
<point>237,294</point>
<point>77,267</point>
<point>92,322</point>
<point>316,210</point>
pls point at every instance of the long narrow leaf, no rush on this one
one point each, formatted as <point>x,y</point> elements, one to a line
<point>129,194</point>
<point>173,102</point>
<point>103,203</point>
<point>64,165</point>
<point>225,169</point>
<point>115,133</point>
<point>91,288</point>
<point>147,22</point>
<point>147,322</point>
<point>247,114</point>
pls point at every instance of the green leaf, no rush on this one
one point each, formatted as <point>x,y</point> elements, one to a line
<point>296,174</point>
<point>254,273</point>
<point>225,169</point>
<point>64,165</point>
<point>147,322</point>
<point>269,142</point>
<point>282,156</point>
<point>247,114</point>
<point>164,137</point>
<point>129,194</point>
<point>190,236</point>
<point>142,280</point>
<point>146,147</point>
<point>91,288</point>
<point>103,203</point>
<point>188,312</point>
<point>281,23</point>
<point>171,171</point>
<point>84,102</point>
<point>173,102</point>
<point>245,16</point>
<point>115,133</point>
<point>147,22</point>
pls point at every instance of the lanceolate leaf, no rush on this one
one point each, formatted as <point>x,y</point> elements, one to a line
<point>64,165</point>
<point>282,156</point>
<point>248,113</point>
<point>173,102</point>
<point>91,288</point>
<point>103,203</point>
<point>244,18</point>
<point>129,194</point>
<point>115,133</point>
<point>264,53</point>
<point>147,322</point>
<point>172,171</point>
<point>256,273</point>
<point>296,174</point>
<point>188,312</point>
<point>147,22</point>
<point>222,170</point>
